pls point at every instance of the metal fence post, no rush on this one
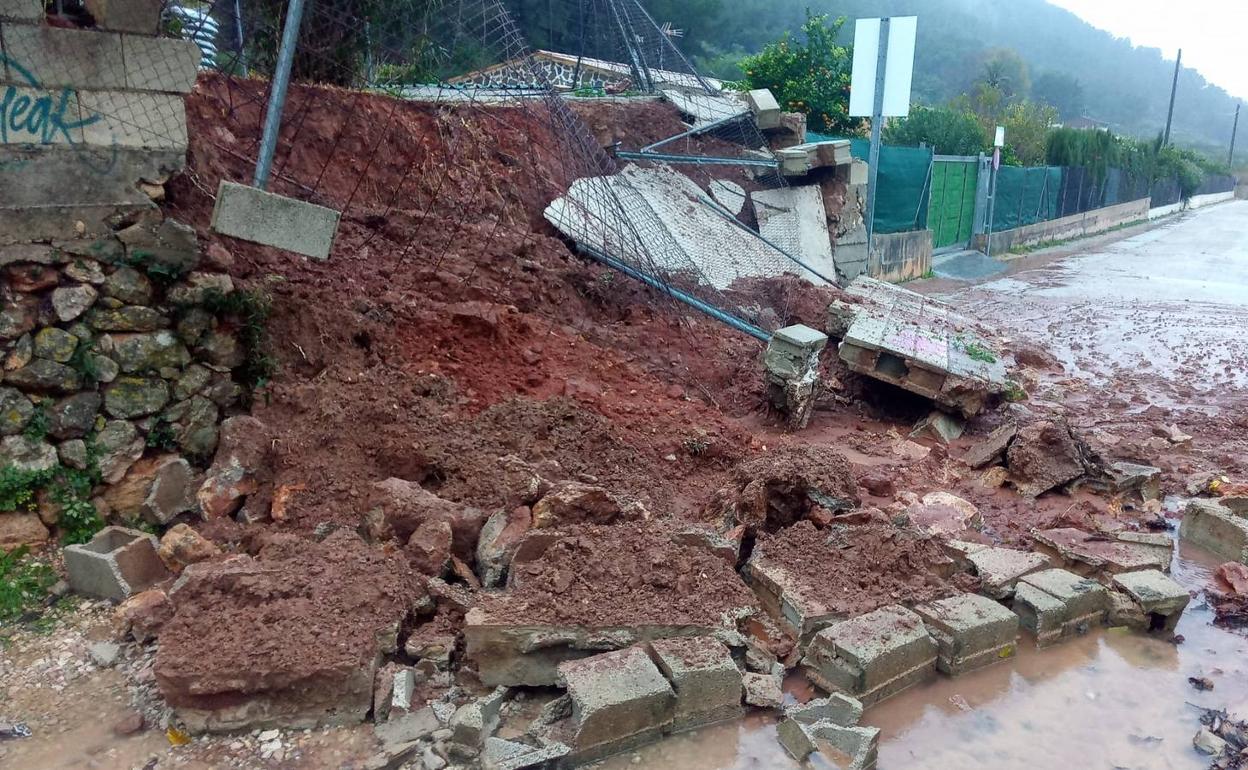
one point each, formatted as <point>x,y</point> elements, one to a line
<point>277,93</point>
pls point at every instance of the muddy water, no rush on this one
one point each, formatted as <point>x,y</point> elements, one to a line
<point>1112,699</point>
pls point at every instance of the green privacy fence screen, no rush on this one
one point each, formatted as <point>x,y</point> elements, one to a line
<point>1025,196</point>
<point>902,187</point>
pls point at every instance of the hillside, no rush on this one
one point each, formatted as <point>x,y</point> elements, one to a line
<point>1123,85</point>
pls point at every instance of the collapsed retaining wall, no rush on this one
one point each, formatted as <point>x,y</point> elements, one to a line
<point>900,257</point>
<point>1065,228</point>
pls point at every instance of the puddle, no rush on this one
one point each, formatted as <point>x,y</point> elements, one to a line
<point>1111,699</point>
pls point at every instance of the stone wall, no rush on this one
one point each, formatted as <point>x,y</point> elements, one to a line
<point>116,363</point>
<point>92,121</point>
<point>114,348</point>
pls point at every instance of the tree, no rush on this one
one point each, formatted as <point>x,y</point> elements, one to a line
<point>948,131</point>
<point>1061,91</point>
<point>811,77</point>
<point>1027,131</point>
<point>1006,71</point>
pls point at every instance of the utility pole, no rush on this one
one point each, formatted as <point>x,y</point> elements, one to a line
<point>1230,157</point>
<point>1174,87</point>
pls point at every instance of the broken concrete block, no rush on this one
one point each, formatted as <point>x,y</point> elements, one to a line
<point>999,569</point>
<point>914,342</point>
<point>1216,528</point>
<point>944,513</point>
<point>1144,480</point>
<point>991,447</point>
<point>1055,604</point>
<point>474,722</point>
<point>858,746</point>
<point>1160,598</point>
<point>792,371</point>
<point>796,220</point>
<point>115,564</point>
<point>1043,456</point>
<point>501,754</point>
<point>407,730</point>
<point>262,217</point>
<point>762,690</point>
<point>705,678</point>
<point>971,631</point>
<point>620,700</point>
<point>873,656</point>
<point>1087,553</point>
<point>939,426</point>
<point>859,171</point>
<point>765,108</point>
<point>796,161</point>
<point>837,708</point>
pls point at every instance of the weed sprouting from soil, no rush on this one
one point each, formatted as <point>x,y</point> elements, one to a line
<point>251,310</point>
<point>24,583</point>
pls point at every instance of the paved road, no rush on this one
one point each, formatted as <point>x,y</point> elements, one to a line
<point>1163,313</point>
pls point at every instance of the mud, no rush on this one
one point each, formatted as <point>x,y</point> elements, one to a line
<point>619,575</point>
<point>863,568</point>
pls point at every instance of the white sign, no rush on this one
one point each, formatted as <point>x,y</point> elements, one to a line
<point>898,68</point>
<point>999,141</point>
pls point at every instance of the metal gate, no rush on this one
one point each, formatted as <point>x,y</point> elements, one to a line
<point>951,206</point>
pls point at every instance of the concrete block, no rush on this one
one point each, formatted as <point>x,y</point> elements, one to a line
<point>620,700</point>
<point>1093,554</point>
<point>67,178</point>
<point>783,597</point>
<point>858,747</point>
<point>837,708</point>
<point>971,631</point>
<point>117,563</point>
<point>999,569</point>
<point>1161,599</point>
<point>939,426</point>
<point>797,161</point>
<point>52,57</point>
<point>794,218</point>
<point>474,722</point>
<point>274,220</point>
<point>162,64</point>
<point>859,171</point>
<point>502,754</point>
<point>1083,604</point>
<point>21,10</point>
<point>1216,528</point>
<point>706,680</point>
<point>139,16</point>
<point>765,108</point>
<point>1039,613</point>
<point>50,117</point>
<point>873,656</point>
<point>793,350</point>
<point>140,120</point>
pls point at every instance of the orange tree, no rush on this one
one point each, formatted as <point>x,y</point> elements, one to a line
<point>810,76</point>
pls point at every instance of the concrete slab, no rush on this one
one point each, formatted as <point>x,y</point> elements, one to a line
<point>873,656</point>
<point>1094,554</point>
<point>971,631</point>
<point>794,219</point>
<point>705,108</point>
<point>917,343</point>
<point>657,219</point>
<point>706,680</point>
<point>999,569</point>
<point>730,195</point>
<point>1216,528</point>
<point>500,754</point>
<point>1161,599</point>
<point>620,700</point>
<point>262,217</point>
<point>1070,604</point>
<point>115,564</point>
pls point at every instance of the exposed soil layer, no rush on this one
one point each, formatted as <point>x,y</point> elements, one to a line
<point>302,613</point>
<point>784,486</point>
<point>626,574</point>
<point>857,569</point>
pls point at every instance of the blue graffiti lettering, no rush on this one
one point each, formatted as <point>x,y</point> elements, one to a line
<point>41,119</point>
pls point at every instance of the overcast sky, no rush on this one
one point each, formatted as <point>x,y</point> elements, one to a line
<point>1212,33</point>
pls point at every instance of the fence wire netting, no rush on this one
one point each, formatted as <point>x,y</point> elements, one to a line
<point>399,110</point>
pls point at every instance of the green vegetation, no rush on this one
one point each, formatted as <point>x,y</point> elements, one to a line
<point>83,362</point>
<point>67,488</point>
<point>37,428</point>
<point>975,351</point>
<point>810,76</point>
<point>162,436</point>
<point>1014,392</point>
<point>251,310</point>
<point>946,130</point>
<point>160,272</point>
<point>24,583</point>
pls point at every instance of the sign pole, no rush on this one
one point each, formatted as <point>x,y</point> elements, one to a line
<point>877,119</point>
